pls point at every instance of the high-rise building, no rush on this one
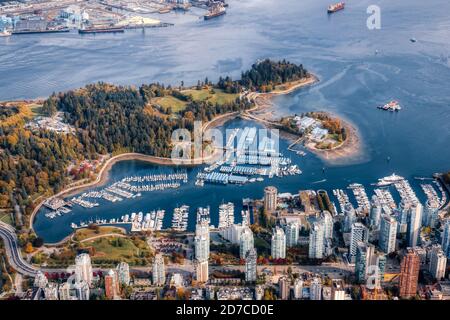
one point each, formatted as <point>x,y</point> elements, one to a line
<point>375,213</point>
<point>363,257</point>
<point>438,262</point>
<point>402,213</point>
<point>327,220</point>
<point>73,289</point>
<point>315,289</point>
<point>259,292</point>
<point>337,290</point>
<point>278,244</point>
<point>246,243</point>
<point>414,224</point>
<point>284,285</point>
<point>40,280</point>
<point>431,213</point>
<point>201,270</point>
<point>250,265</point>
<point>446,237</point>
<point>349,216</point>
<point>270,199</point>
<point>233,233</point>
<point>359,233</point>
<point>292,232</point>
<point>112,289</point>
<point>409,274</point>
<point>316,241</point>
<point>201,241</point>
<point>298,288</point>
<point>83,268</point>
<point>123,273</point>
<point>226,215</point>
<point>159,270</point>
<point>388,234</point>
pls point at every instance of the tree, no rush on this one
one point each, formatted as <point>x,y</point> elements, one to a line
<point>29,248</point>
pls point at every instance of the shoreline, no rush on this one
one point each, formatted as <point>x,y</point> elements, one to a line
<point>261,101</point>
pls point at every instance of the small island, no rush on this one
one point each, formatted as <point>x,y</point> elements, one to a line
<point>322,133</point>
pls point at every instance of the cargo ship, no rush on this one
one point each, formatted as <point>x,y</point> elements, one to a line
<point>101,30</point>
<point>215,11</point>
<point>336,7</point>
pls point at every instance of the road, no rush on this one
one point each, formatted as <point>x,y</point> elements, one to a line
<point>13,253</point>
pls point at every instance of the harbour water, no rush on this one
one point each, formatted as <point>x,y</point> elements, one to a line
<point>359,70</point>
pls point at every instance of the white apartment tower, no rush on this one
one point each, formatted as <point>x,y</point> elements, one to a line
<point>316,241</point>
<point>159,270</point>
<point>246,242</point>
<point>83,268</point>
<point>278,243</point>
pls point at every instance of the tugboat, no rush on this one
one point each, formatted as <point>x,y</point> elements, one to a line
<point>215,11</point>
<point>336,7</point>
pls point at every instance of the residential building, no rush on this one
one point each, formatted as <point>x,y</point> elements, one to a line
<point>112,289</point>
<point>83,268</point>
<point>292,233</point>
<point>414,224</point>
<point>445,236</point>
<point>327,220</point>
<point>201,270</point>
<point>316,241</point>
<point>388,234</point>
<point>298,288</point>
<point>270,199</point>
<point>278,243</point>
<point>251,265</point>
<point>284,286</point>
<point>359,233</point>
<point>246,243</point>
<point>438,262</point>
<point>201,241</point>
<point>226,215</point>
<point>409,274</point>
<point>315,289</point>
<point>158,270</point>
<point>123,273</point>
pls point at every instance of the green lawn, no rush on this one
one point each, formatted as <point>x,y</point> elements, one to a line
<point>219,96</point>
<point>170,102</point>
<point>114,249</point>
<point>6,218</point>
<point>177,105</point>
<point>86,233</point>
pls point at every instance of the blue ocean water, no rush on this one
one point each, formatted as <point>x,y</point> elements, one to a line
<point>358,69</point>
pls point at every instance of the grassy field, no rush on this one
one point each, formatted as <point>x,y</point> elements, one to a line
<point>218,96</point>
<point>170,102</point>
<point>6,218</point>
<point>82,234</point>
<point>111,250</point>
<point>177,105</point>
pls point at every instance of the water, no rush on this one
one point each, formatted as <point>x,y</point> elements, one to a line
<point>339,49</point>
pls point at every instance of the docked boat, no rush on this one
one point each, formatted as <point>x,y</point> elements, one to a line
<point>101,30</point>
<point>5,33</point>
<point>386,181</point>
<point>216,11</point>
<point>336,7</point>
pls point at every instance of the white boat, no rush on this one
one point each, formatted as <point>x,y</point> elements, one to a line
<point>5,33</point>
<point>386,181</point>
